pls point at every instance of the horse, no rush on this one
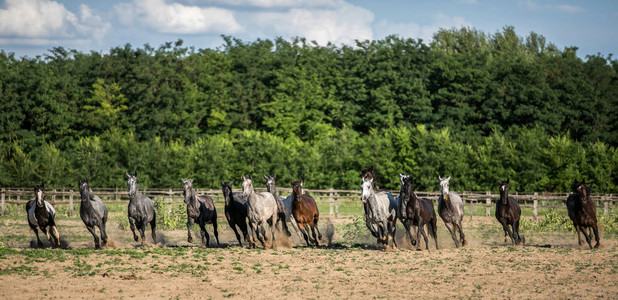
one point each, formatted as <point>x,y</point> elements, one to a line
<point>401,208</point>
<point>261,209</point>
<point>141,211</point>
<point>380,210</point>
<point>451,210</point>
<point>583,213</point>
<point>235,211</point>
<point>284,206</point>
<point>420,212</point>
<point>305,212</point>
<point>93,212</point>
<point>201,209</point>
<point>508,213</point>
<point>41,214</point>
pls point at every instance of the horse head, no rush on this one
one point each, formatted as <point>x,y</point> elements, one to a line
<point>504,190</point>
<point>402,176</point>
<point>227,190</point>
<point>444,184</point>
<point>367,174</point>
<point>297,189</point>
<point>270,182</point>
<point>187,188</point>
<point>39,192</point>
<point>247,185</point>
<point>83,187</point>
<point>581,190</point>
<point>367,189</point>
<point>406,187</point>
<point>132,183</point>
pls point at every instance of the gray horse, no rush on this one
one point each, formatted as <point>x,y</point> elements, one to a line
<point>284,206</point>
<point>451,210</point>
<point>262,209</point>
<point>200,208</point>
<point>141,210</point>
<point>381,210</point>
<point>93,213</point>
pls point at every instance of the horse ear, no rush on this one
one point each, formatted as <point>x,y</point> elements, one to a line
<point>274,176</point>
<point>371,169</point>
<point>127,173</point>
<point>250,177</point>
<point>508,180</point>
<point>265,177</point>
<point>243,177</point>
<point>448,178</point>
<point>135,173</point>
<point>222,182</point>
<point>440,178</point>
<point>583,181</point>
<point>362,169</point>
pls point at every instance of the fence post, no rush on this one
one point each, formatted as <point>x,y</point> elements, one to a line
<point>606,204</point>
<point>471,208</point>
<point>2,202</point>
<point>535,204</point>
<point>331,201</point>
<point>70,203</point>
<point>487,204</point>
<point>117,195</point>
<point>54,197</point>
<point>169,201</point>
<point>336,208</point>
<point>18,201</point>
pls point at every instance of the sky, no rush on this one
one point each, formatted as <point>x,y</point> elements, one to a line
<point>31,27</point>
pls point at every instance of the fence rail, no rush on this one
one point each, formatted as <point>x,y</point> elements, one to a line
<point>66,196</point>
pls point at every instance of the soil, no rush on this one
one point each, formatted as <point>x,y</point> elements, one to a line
<point>550,265</point>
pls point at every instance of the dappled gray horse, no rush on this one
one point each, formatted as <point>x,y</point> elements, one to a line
<point>141,210</point>
<point>451,210</point>
<point>93,212</point>
<point>200,209</point>
<point>284,210</point>
<point>41,214</point>
<point>262,209</point>
<point>381,210</point>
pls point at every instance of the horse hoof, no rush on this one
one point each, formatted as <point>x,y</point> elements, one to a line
<point>597,246</point>
<point>190,240</point>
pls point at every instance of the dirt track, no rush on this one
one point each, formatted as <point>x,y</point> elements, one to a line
<point>487,268</point>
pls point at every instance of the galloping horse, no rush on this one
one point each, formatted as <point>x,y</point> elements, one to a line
<point>419,212</point>
<point>451,210</point>
<point>200,208</point>
<point>305,212</point>
<point>380,210</point>
<point>262,209</point>
<point>508,213</point>
<point>41,214</point>
<point>583,213</point>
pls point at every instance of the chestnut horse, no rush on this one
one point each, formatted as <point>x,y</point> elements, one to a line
<point>583,213</point>
<point>305,212</point>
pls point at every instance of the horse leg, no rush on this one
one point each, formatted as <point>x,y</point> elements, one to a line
<point>142,232</point>
<point>295,226</point>
<point>462,236</point>
<point>506,230</point>
<point>215,229</point>
<point>272,229</point>
<point>96,238</point>
<point>103,233</point>
<point>204,233</point>
<point>301,226</point>
<point>153,232</point>
<point>233,226</point>
<point>434,232</point>
<point>518,236</point>
<point>452,230</point>
<point>39,244</point>
<point>579,237</point>
<point>595,228</point>
<point>252,235</point>
<point>585,232</point>
<point>408,229</point>
<point>314,226</point>
<point>284,223</point>
<point>422,231</point>
<point>132,225</point>
<point>392,230</point>
<point>190,222</point>
<point>47,235</point>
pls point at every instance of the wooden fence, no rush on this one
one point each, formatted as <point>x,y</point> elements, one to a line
<point>65,196</point>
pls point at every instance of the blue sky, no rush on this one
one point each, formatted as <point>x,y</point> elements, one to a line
<point>30,27</point>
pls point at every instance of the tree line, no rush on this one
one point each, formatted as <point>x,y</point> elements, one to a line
<point>478,107</point>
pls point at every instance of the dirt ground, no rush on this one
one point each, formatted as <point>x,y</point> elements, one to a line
<point>551,265</point>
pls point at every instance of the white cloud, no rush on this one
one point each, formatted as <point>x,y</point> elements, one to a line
<point>42,21</point>
<point>572,9</point>
<point>341,24</point>
<point>272,3</point>
<point>177,18</point>
<point>414,30</point>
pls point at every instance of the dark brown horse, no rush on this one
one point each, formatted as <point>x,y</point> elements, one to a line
<point>305,212</point>
<point>420,212</point>
<point>508,213</point>
<point>583,213</point>
<point>41,214</point>
<point>235,211</point>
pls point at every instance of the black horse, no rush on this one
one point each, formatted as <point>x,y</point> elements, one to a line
<point>583,213</point>
<point>508,213</point>
<point>235,211</point>
<point>420,212</point>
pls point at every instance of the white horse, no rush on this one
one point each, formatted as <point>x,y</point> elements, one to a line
<point>380,210</point>
<point>451,210</point>
<point>262,208</point>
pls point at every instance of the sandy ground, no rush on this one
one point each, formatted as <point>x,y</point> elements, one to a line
<point>551,265</point>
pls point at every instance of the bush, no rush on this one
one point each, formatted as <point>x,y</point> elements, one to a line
<point>555,221</point>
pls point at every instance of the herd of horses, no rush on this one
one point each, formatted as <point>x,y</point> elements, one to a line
<point>250,211</point>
